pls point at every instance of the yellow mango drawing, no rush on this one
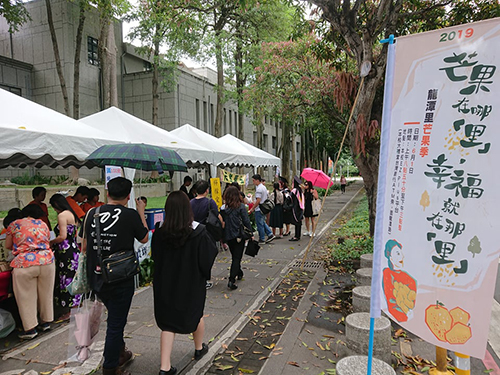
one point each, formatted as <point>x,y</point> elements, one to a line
<point>439,320</point>
<point>459,316</point>
<point>458,334</point>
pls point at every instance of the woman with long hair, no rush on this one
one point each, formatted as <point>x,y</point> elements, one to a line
<point>235,215</point>
<point>310,194</point>
<point>32,270</point>
<point>183,255</point>
<point>298,208</point>
<point>66,252</point>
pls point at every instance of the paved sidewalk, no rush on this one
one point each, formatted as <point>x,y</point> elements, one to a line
<point>226,313</point>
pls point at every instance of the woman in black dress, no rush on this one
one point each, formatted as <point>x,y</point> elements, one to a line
<point>183,256</point>
<point>310,194</point>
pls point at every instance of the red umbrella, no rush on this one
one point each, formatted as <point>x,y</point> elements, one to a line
<point>317,177</point>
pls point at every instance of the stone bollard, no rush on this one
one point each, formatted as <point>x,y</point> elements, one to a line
<point>361,298</point>
<point>366,261</point>
<point>364,276</point>
<point>358,334</point>
<point>357,365</point>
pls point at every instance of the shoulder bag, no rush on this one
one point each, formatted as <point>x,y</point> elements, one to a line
<point>80,283</point>
<point>266,207</point>
<point>118,266</point>
<point>316,206</point>
<point>245,233</point>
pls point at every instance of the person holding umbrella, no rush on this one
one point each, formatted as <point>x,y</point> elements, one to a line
<point>310,194</point>
<point>118,227</point>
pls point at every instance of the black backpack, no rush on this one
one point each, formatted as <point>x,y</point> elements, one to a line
<point>213,224</point>
<point>287,201</point>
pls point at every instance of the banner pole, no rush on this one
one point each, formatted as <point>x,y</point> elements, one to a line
<point>441,363</point>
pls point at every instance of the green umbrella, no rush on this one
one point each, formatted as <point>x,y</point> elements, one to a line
<point>138,156</point>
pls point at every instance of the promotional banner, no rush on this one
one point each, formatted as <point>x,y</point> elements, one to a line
<point>229,177</point>
<point>441,207</point>
<point>216,191</point>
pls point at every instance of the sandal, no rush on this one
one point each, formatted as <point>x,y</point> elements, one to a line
<point>286,234</point>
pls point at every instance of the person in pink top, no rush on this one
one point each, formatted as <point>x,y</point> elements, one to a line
<point>33,270</point>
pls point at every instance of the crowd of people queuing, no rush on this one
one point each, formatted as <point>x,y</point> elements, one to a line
<point>182,248</point>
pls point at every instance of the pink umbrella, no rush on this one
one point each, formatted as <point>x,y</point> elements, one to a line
<point>317,177</point>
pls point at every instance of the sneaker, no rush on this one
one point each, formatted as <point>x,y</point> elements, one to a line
<point>200,353</point>
<point>306,233</point>
<point>262,242</point>
<point>172,371</point>
<point>209,284</point>
<point>28,335</point>
<point>270,238</point>
<point>44,327</point>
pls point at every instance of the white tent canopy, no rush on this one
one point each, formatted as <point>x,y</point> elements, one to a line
<point>124,127</point>
<point>225,154</point>
<point>33,135</point>
<point>262,158</point>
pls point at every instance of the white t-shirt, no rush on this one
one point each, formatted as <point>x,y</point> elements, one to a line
<point>260,192</point>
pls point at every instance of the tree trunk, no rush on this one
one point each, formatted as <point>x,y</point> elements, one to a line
<point>294,151</point>
<point>220,84</point>
<point>111,60</point>
<point>76,71</point>
<point>101,51</point>
<point>156,95</point>
<point>240,83</point>
<point>57,57</point>
<point>285,149</point>
<point>367,160</point>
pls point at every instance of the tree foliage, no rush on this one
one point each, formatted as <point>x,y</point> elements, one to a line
<point>292,84</point>
<point>15,13</point>
<point>355,29</point>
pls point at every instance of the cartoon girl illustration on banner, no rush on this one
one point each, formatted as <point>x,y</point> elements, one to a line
<point>400,289</point>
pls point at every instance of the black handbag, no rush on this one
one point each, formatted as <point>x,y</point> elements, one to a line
<point>245,233</point>
<point>118,266</point>
<point>252,248</point>
<point>266,207</point>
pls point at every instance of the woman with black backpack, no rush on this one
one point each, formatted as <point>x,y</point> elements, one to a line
<point>235,215</point>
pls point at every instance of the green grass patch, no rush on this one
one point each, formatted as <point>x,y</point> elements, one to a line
<point>353,238</point>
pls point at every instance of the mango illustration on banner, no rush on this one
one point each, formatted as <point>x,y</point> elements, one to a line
<point>448,326</point>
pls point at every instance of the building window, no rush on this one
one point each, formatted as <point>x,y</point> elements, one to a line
<point>205,116</point>
<point>93,57</point>
<point>212,119</point>
<point>146,66</point>
<point>264,142</point>
<point>230,122</point>
<point>197,111</point>
<point>235,122</point>
<point>14,90</point>
<point>225,121</point>
<point>273,140</point>
<point>298,146</point>
<point>255,139</point>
